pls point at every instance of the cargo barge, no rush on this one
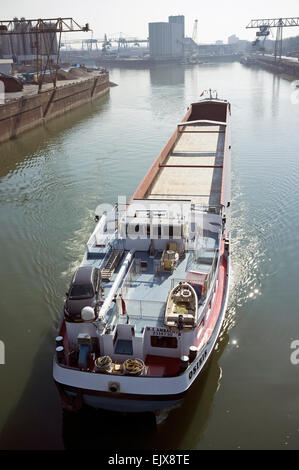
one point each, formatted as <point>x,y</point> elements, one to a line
<point>146,306</point>
<point>27,109</point>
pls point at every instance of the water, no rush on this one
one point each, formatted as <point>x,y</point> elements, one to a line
<point>51,180</point>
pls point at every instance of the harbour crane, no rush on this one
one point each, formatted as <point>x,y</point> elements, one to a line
<point>89,43</point>
<point>264,33</point>
<point>43,33</point>
<point>106,44</point>
<point>264,26</point>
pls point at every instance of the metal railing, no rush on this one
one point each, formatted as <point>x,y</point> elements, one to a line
<point>216,209</point>
<point>150,309</point>
<point>128,279</point>
<point>212,272</point>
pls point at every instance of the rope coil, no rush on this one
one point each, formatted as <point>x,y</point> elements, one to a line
<point>103,363</point>
<point>134,366</point>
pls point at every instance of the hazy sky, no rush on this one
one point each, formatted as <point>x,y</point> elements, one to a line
<point>217,19</point>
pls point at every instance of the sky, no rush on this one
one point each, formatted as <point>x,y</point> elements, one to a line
<point>217,19</point>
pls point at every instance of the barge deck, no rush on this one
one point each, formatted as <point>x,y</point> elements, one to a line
<point>193,167</point>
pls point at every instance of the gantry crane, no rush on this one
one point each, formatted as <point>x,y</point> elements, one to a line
<point>44,31</point>
<point>264,26</point>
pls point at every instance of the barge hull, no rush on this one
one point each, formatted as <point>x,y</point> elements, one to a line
<point>30,111</point>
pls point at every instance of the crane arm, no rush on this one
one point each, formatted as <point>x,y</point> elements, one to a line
<point>49,25</point>
<point>274,22</point>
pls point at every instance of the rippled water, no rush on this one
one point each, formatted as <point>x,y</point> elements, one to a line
<point>51,180</point>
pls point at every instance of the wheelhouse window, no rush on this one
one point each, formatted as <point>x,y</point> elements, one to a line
<point>164,342</point>
<point>154,230</point>
<point>81,291</point>
<point>135,230</point>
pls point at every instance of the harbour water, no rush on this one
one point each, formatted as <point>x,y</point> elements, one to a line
<point>51,180</point>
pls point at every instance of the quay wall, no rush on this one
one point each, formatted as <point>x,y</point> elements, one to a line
<point>283,66</point>
<point>29,111</point>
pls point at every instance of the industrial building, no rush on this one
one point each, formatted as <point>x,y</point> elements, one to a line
<point>24,47</point>
<point>180,19</point>
<point>233,39</point>
<point>166,40</point>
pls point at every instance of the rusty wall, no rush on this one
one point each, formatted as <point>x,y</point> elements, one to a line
<point>27,112</point>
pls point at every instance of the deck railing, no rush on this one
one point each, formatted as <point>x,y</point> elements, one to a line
<point>211,274</point>
<point>216,209</point>
<point>150,309</point>
<point>128,279</point>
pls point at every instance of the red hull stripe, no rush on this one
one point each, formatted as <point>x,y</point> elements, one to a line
<point>217,304</point>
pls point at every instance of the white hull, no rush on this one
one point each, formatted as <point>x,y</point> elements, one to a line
<point>94,388</point>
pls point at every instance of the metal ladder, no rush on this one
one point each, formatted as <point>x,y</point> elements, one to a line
<point>110,266</point>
